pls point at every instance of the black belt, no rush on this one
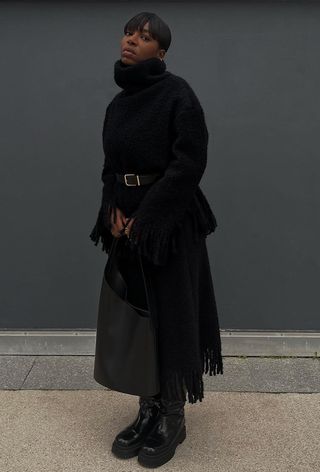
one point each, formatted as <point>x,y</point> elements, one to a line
<point>136,179</point>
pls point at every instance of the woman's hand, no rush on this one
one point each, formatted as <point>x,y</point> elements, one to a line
<point>118,226</point>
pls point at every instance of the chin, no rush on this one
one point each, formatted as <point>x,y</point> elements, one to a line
<point>127,60</point>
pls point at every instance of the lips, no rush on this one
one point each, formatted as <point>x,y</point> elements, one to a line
<point>128,50</point>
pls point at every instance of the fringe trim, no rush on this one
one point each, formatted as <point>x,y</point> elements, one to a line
<point>148,236</point>
<point>206,217</point>
<point>101,230</point>
<point>183,386</point>
<point>157,242</point>
<point>212,361</point>
<point>189,385</point>
<point>151,241</point>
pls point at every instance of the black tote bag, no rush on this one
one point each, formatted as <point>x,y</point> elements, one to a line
<point>126,352</point>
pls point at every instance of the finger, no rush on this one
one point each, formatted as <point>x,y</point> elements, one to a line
<point>116,234</point>
<point>130,223</point>
<point>119,223</point>
<point>114,230</point>
<point>121,214</point>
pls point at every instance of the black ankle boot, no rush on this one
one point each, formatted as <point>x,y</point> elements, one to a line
<point>128,442</point>
<point>169,431</point>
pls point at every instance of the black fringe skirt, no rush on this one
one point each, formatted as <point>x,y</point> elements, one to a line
<point>183,312</point>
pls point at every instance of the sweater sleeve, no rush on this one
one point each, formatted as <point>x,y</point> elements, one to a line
<point>101,229</point>
<point>160,214</point>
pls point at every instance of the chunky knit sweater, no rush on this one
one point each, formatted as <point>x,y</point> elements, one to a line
<point>155,124</point>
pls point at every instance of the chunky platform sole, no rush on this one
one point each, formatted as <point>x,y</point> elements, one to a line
<point>126,452</point>
<point>155,460</point>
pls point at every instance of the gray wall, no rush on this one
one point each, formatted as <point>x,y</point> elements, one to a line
<point>255,69</point>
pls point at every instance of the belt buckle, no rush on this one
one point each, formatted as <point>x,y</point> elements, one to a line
<point>130,185</point>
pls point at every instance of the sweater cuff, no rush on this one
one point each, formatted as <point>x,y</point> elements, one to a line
<point>102,228</point>
<point>153,238</point>
<point>157,238</point>
<point>100,232</point>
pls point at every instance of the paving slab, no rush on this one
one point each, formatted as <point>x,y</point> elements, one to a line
<point>61,372</point>
<point>267,374</point>
<point>14,370</point>
<point>243,374</point>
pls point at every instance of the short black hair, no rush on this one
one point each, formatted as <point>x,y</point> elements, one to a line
<point>159,30</point>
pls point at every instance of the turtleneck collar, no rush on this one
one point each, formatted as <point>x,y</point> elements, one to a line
<point>139,75</point>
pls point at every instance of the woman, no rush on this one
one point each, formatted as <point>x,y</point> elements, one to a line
<point>155,144</point>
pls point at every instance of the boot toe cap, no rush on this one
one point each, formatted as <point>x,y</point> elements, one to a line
<point>126,439</point>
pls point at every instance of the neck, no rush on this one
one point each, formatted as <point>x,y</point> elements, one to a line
<point>139,75</point>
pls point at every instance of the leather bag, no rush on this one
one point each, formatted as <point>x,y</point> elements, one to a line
<point>126,354</point>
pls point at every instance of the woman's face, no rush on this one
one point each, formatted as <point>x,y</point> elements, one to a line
<point>141,44</point>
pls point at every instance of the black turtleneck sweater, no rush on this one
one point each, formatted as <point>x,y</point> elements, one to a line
<point>155,124</point>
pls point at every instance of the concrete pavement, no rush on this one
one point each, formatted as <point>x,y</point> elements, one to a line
<point>53,419</point>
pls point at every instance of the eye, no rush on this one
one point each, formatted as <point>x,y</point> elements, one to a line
<point>142,35</point>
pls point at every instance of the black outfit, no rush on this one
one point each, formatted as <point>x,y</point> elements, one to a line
<point>156,124</point>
